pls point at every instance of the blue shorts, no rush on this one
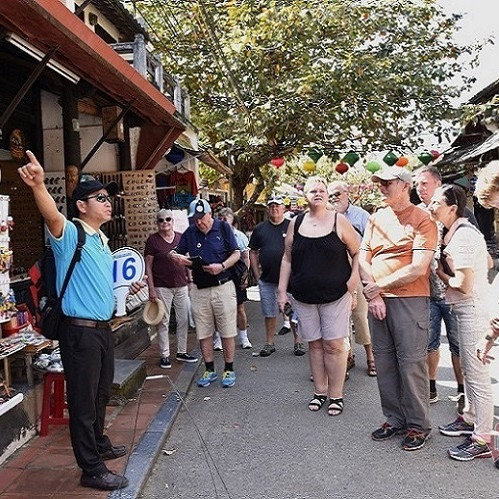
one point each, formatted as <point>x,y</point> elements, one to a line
<point>440,310</point>
<point>268,298</point>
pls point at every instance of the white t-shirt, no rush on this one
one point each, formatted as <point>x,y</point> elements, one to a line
<point>466,249</point>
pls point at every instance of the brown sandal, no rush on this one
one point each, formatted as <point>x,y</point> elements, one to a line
<point>371,368</point>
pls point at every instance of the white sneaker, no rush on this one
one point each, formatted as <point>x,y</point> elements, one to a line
<point>217,342</point>
<point>243,341</point>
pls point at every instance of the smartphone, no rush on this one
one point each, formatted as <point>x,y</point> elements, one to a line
<point>197,262</point>
<point>288,310</point>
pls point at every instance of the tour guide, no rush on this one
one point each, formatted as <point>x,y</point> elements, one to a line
<point>86,342</point>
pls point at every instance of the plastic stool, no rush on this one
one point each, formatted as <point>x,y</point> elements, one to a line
<point>53,404</point>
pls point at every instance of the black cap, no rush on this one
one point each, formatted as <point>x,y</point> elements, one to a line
<point>85,189</point>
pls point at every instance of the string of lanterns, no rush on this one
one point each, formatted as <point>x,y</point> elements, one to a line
<point>351,158</point>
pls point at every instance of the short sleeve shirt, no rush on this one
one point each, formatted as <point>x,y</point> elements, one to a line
<point>391,238</point>
<point>213,247</point>
<point>268,240</point>
<point>89,294</point>
<point>166,272</point>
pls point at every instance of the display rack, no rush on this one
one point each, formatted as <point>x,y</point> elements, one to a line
<point>7,303</point>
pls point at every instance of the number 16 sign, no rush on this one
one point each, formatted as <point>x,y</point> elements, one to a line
<point>128,267</point>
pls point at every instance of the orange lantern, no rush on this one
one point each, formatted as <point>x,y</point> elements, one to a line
<point>402,161</point>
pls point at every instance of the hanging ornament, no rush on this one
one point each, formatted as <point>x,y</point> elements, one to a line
<point>351,158</point>
<point>435,153</point>
<point>342,167</point>
<point>315,154</point>
<point>390,158</point>
<point>277,162</point>
<point>402,161</point>
<point>286,201</point>
<point>373,166</point>
<point>426,157</point>
<point>309,166</point>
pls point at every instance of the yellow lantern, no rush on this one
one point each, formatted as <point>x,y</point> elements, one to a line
<point>309,166</point>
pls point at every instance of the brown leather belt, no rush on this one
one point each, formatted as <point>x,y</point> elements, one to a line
<point>87,323</point>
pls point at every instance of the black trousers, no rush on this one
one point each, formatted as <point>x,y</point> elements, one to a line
<point>88,359</point>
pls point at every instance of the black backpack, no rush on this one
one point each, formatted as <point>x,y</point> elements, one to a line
<point>42,302</point>
<point>238,272</point>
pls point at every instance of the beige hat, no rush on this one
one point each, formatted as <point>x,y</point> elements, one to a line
<point>393,173</point>
<point>153,313</point>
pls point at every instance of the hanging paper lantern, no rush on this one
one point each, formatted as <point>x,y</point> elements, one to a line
<point>277,162</point>
<point>390,158</point>
<point>435,154</point>
<point>351,158</point>
<point>309,166</point>
<point>315,154</point>
<point>373,166</point>
<point>342,167</point>
<point>402,161</point>
<point>426,157</point>
<point>287,201</point>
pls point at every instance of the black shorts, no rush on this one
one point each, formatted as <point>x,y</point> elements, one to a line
<point>241,295</point>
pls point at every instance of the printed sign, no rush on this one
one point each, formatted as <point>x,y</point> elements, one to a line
<point>128,267</point>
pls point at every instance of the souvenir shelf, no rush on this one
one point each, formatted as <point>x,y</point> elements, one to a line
<point>7,302</point>
<point>134,210</point>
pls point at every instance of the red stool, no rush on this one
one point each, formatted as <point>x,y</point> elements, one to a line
<point>53,402</point>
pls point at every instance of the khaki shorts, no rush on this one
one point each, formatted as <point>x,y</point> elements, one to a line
<point>215,308</point>
<point>327,321</point>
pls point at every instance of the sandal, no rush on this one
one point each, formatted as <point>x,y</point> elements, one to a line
<point>317,402</point>
<point>371,368</point>
<point>335,407</point>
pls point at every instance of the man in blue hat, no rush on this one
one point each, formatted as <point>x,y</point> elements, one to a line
<point>86,341</point>
<point>212,250</point>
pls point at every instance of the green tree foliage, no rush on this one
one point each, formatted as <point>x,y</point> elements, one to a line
<point>270,77</point>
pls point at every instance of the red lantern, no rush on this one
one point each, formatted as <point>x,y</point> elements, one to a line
<point>277,162</point>
<point>342,167</point>
<point>402,161</point>
<point>434,153</point>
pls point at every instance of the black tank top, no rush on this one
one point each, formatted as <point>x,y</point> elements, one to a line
<point>320,267</point>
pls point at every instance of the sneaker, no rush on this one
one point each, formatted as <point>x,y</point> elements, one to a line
<point>228,379</point>
<point>267,350</point>
<point>207,378</point>
<point>299,349</point>
<point>185,357</point>
<point>415,439</point>
<point>350,362</point>
<point>469,450</point>
<point>386,432</point>
<point>165,363</point>
<point>284,330</point>
<point>217,343</point>
<point>244,341</point>
<point>433,397</point>
<point>456,428</point>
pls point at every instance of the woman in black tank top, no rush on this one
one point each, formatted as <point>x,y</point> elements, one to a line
<point>320,270</point>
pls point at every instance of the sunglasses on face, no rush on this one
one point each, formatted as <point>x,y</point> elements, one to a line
<point>387,183</point>
<point>335,195</point>
<point>100,198</point>
<point>163,220</point>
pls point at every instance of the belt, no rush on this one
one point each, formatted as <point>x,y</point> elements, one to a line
<point>225,280</point>
<point>87,323</point>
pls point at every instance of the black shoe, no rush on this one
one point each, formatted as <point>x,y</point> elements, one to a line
<point>385,432</point>
<point>114,452</point>
<point>267,350</point>
<point>415,439</point>
<point>299,349</point>
<point>284,330</point>
<point>105,481</point>
<point>185,357</point>
<point>165,363</point>
<point>496,463</point>
<point>433,397</point>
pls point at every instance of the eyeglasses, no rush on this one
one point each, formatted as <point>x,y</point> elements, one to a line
<point>163,220</point>
<point>100,198</point>
<point>336,194</point>
<point>387,183</point>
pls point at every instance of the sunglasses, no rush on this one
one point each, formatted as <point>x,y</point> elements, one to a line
<point>335,195</point>
<point>100,198</point>
<point>162,220</point>
<point>387,183</point>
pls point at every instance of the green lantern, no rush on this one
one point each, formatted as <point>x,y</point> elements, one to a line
<point>351,158</point>
<point>426,157</point>
<point>390,158</point>
<point>315,154</point>
<point>373,166</point>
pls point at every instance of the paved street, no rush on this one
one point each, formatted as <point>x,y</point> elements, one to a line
<point>258,440</point>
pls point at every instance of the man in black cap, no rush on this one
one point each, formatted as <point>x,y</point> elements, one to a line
<point>86,342</point>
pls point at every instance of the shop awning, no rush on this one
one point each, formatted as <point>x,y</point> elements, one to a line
<point>46,24</point>
<point>179,154</point>
<point>471,153</point>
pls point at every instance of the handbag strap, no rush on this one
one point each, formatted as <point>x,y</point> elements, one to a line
<point>76,257</point>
